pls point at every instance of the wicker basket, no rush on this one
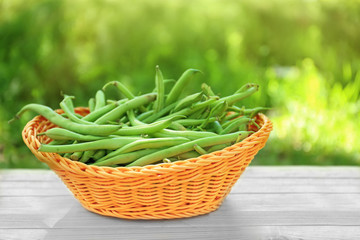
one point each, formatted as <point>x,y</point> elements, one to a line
<point>164,191</point>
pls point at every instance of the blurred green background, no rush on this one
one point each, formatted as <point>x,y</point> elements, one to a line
<point>304,54</point>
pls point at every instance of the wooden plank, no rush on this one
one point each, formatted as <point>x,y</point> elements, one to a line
<point>248,202</point>
<point>249,210</point>
<point>243,186</point>
<point>302,172</point>
<point>213,233</point>
<point>250,172</point>
<point>28,175</point>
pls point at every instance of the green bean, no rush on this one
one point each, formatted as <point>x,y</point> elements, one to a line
<point>124,158</point>
<point>207,90</point>
<point>166,160</point>
<point>247,86</point>
<point>154,116</point>
<point>99,154</point>
<point>91,104</point>
<point>180,85</point>
<point>218,147</point>
<point>188,101</point>
<point>68,101</point>
<point>124,90</point>
<point>147,143</point>
<point>185,147</point>
<point>216,126</point>
<point>239,96</point>
<point>76,156</point>
<point>177,126</point>
<point>187,155</point>
<point>76,114</point>
<point>67,155</point>
<point>99,100</point>
<point>64,104</point>
<point>194,122</point>
<point>56,142</point>
<point>100,112</point>
<point>218,111</point>
<point>160,89</point>
<point>57,119</point>
<point>119,111</point>
<point>86,156</point>
<point>132,119</point>
<point>232,116</point>
<point>113,143</point>
<point>199,149</point>
<point>188,111</point>
<point>64,134</point>
<point>234,124</point>
<point>186,134</point>
<point>145,115</point>
<point>146,128</point>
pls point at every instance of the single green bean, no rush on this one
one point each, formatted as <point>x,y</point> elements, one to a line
<point>100,100</point>
<point>57,119</point>
<point>91,104</point>
<point>187,155</point>
<point>246,86</point>
<point>68,101</point>
<point>177,126</point>
<point>132,119</point>
<point>218,147</point>
<point>207,90</point>
<point>160,89</point>
<point>180,85</point>
<point>64,104</point>
<point>155,116</point>
<point>186,134</point>
<point>185,147</point>
<point>146,128</point>
<point>113,143</point>
<point>232,99</point>
<point>188,111</point>
<point>145,115</point>
<point>124,90</point>
<point>124,158</point>
<point>194,122</point>
<point>199,149</point>
<point>76,156</point>
<point>235,124</point>
<point>147,143</point>
<point>216,126</point>
<point>56,142</point>
<point>86,156</point>
<point>64,134</point>
<point>91,117</point>
<point>119,111</point>
<point>99,154</point>
<point>188,101</point>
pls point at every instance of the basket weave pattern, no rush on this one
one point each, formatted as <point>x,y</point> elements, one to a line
<point>164,191</point>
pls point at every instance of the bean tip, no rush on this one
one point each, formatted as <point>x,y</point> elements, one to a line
<point>13,119</point>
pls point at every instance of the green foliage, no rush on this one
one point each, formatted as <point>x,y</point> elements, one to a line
<point>304,54</point>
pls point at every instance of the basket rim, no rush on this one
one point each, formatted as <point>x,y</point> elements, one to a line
<point>159,168</point>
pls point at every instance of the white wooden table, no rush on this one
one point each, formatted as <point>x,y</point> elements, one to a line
<point>267,203</point>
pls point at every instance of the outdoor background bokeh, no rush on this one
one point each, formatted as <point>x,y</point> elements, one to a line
<point>304,54</point>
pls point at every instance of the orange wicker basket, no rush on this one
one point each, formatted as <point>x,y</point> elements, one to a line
<point>169,190</point>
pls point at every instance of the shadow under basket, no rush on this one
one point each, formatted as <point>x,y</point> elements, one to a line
<point>164,191</point>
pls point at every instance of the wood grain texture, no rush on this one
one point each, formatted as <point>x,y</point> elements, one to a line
<point>267,203</point>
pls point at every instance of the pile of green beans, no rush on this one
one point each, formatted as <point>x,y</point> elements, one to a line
<point>161,126</point>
